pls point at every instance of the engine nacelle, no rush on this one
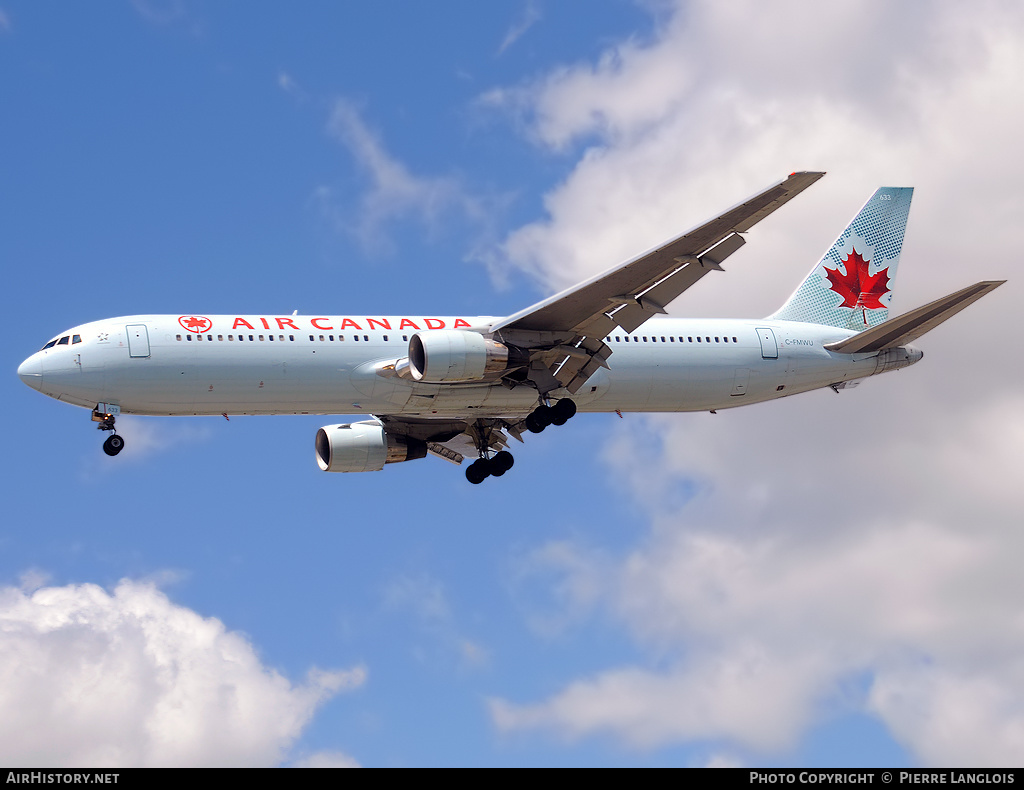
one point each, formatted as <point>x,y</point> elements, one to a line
<point>363,447</point>
<point>439,356</point>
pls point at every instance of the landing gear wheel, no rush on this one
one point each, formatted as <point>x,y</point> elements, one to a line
<point>113,445</point>
<point>564,410</point>
<point>477,472</point>
<point>540,418</point>
<point>501,463</point>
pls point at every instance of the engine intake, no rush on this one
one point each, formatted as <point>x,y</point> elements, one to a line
<point>439,356</point>
<point>363,447</point>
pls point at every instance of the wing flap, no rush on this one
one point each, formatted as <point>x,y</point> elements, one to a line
<point>908,327</point>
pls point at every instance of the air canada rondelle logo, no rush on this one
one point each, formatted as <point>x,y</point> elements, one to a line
<point>857,287</point>
<point>195,323</point>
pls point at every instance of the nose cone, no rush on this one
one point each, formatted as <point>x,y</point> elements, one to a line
<point>31,371</point>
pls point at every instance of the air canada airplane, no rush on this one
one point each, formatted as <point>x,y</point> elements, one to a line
<point>458,386</point>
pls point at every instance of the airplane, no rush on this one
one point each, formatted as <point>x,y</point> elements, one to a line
<point>457,386</point>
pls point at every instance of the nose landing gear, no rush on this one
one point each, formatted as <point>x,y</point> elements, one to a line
<point>114,443</point>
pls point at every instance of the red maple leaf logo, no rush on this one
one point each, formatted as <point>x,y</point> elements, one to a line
<point>195,323</point>
<point>857,287</point>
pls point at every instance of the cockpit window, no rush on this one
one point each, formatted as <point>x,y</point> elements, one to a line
<point>63,341</point>
<point>76,339</point>
<point>51,344</point>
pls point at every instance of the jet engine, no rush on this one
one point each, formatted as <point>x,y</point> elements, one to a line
<point>439,356</point>
<point>363,447</point>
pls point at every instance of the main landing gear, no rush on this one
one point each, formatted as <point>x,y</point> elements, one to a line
<point>496,465</point>
<point>114,443</point>
<point>545,415</point>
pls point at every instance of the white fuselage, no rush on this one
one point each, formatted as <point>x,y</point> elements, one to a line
<point>155,364</point>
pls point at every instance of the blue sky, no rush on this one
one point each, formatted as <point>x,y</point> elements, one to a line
<point>820,581</point>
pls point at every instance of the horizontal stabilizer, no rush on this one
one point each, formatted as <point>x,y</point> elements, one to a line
<point>908,327</point>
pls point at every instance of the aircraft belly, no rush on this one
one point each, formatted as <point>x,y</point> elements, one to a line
<point>482,400</point>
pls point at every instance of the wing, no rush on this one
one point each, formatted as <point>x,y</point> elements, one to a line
<point>632,292</point>
<point>568,329</point>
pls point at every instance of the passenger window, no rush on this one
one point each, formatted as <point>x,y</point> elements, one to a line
<point>645,338</point>
<point>291,338</point>
<point>405,338</point>
<point>269,337</point>
<point>331,338</point>
<point>220,337</point>
<point>311,338</point>
<point>261,338</point>
<point>231,338</point>
<point>385,338</point>
<point>663,340</point>
<point>321,338</point>
<point>356,338</point>
<point>698,339</point>
<point>672,340</point>
<point>708,339</point>
<point>716,339</point>
<point>210,338</point>
<point>734,340</point>
<point>251,340</point>
<point>366,338</point>
<point>188,338</point>
<point>617,338</point>
<point>689,339</point>
<point>177,337</point>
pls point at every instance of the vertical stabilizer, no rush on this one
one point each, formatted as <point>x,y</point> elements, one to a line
<point>851,287</point>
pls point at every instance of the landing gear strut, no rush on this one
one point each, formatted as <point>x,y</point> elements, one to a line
<point>114,443</point>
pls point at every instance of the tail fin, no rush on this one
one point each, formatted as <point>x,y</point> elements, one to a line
<point>851,287</point>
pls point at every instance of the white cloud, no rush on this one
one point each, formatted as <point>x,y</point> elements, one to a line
<point>287,83</point>
<point>394,193</point>
<point>771,590</point>
<point>91,678</point>
<point>719,106</point>
<point>425,598</point>
<point>161,12</point>
<point>800,546</point>
<point>326,760</point>
<point>531,16</point>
